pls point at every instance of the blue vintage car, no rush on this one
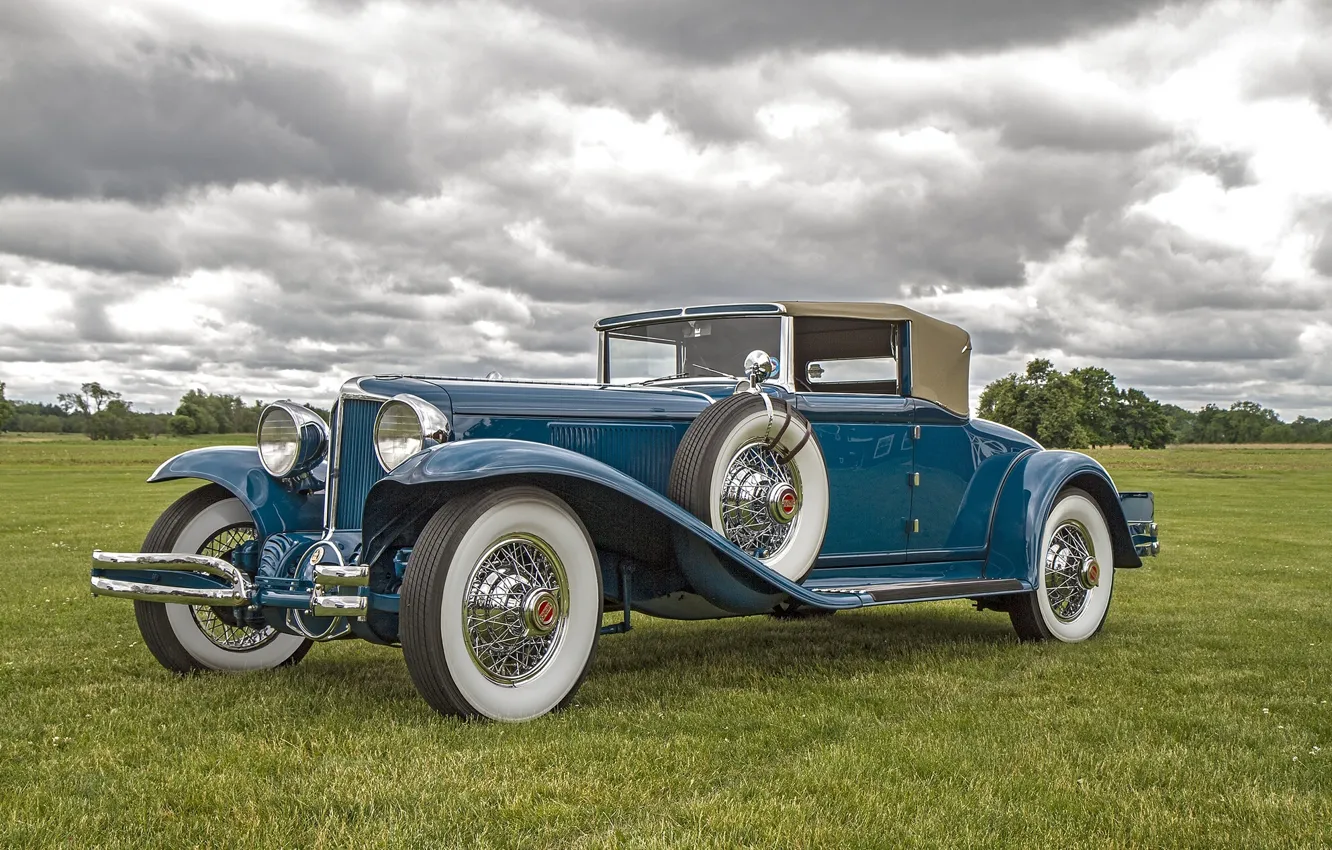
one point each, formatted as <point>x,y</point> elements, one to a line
<point>788,458</point>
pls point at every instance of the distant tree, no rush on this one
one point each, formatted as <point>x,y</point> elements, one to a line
<point>1100,405</point>
<point>1141,422</point>
<point>1249,421</point>
<point>1181,422</point>
<point>6,408</point>
<point>113,422</point>
<point>1306,429</point>
<point>1042,403</point>
<point>72,403</point>
<point>209,413</point>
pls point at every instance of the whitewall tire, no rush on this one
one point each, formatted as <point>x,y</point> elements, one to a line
<point>1075,576</point>
<point>501,605</point>
<point>187,638</point>
<point>737,463</point>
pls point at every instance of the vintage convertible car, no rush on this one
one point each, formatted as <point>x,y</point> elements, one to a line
<point>488,526</point>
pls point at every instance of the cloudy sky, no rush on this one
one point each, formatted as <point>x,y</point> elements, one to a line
<point>267,196</point>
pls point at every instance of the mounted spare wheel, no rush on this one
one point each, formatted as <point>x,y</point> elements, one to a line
<point>750,466</point>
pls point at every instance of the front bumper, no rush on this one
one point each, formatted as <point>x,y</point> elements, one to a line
<point>238,590</point>
<point>200,580</point>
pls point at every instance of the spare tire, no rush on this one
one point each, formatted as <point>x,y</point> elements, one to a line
<point>750,467</point>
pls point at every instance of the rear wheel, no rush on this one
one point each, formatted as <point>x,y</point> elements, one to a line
<point>185,638</point>
<point>1075,576</point>
<point>501,605</point>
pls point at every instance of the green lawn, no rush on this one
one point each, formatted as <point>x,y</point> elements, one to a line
<point>1195,720</point>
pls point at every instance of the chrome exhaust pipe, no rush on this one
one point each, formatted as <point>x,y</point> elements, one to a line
<point>239,592</point>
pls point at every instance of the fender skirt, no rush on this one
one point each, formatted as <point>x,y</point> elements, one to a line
<point>605,497</point>
<point>275,508</point>
<point>1025,500</point>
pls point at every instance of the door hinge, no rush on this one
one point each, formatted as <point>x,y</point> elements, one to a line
<point>913,478</point>
<point>913,526</point>
<point>915,432</point>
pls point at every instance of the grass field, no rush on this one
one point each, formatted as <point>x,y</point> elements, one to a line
<point>1198,718</point>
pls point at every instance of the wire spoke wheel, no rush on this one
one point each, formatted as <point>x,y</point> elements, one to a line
<point>219,624</point>
<point>759,501</point>
<point>515,608</point>
<point>1068,560</point>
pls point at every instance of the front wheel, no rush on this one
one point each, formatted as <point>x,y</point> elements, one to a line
<point>501,605</point>
<point>1075,576</point>
<point>185,638</point>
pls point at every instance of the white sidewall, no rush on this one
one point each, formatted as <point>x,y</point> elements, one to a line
<point>561,530</point>
<point>1079,509</point>
<point>796,557</point>
<point>205,524</point>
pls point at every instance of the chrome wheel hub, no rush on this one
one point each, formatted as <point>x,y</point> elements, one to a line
<point>541,612</point>
<point>1071,571</point>
<point>219,624</point>
<point>760,501</point>
<point>515,607</point>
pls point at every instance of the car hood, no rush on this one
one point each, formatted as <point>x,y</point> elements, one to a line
<point>473,398</point>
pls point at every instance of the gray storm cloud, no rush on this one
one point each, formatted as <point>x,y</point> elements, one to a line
<point>266,205</point>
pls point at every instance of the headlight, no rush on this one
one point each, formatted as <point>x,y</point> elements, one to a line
<point>292,439</point>
<point>404,424</point>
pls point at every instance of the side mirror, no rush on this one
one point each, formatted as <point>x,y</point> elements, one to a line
<point>759,367</point>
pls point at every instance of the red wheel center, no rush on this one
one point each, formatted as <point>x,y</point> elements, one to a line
<point>1091,573</point>
<point>545,612</point>
<point>788,503</point>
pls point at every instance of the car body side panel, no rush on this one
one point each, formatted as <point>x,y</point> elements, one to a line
<point>867,446</point>
<point>962,464</point>
<point>1028,494</point>
<point>275,507</point>
<point>714,567</point>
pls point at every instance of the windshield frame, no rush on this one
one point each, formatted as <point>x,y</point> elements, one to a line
<point>784,352</point>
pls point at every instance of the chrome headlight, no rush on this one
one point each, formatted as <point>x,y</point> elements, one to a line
<point>292,439</point>
<point>404,424</point>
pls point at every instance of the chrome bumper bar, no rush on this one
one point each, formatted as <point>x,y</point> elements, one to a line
<point>239,592</point>
<point>1145,541</point>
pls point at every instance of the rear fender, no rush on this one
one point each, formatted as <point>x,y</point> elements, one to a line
<point>273,505</point>
<point>1025,500</point>
<point>624,516</point>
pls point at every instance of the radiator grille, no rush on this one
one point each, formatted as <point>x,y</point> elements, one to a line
<point>644,452</point>
<point>358,468</point>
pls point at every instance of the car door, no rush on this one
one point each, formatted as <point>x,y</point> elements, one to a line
<point>868,449</point>
<point>847,379</point>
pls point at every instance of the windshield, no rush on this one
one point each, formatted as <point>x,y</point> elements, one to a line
<point>692,348</point>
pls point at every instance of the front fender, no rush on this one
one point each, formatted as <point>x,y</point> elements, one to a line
<point>274,507</point>
<point>715,568</point>
<point>1025,500</point>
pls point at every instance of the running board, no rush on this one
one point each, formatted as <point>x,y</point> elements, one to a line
<point>918,591</point>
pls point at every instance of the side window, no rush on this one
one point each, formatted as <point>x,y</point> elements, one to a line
<point>846,355</point>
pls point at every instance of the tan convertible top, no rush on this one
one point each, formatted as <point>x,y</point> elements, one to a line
<point>940,352</point>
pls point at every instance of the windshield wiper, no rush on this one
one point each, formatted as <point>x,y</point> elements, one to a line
<point>713,371</point>
<point>657,380</point>
<point>680,375</point>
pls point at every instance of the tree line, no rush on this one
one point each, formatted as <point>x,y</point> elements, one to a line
<point>104,414</point>
<point>1076,409</point>
<point>1085,408</point>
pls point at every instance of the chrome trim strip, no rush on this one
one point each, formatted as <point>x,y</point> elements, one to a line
<point>240,592</point>
<point>334,466</point>
<point>220,598</point>
<point>341,575</point>
<point>672,314</point>
<point>350,391</point>
<point>336,605</point>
